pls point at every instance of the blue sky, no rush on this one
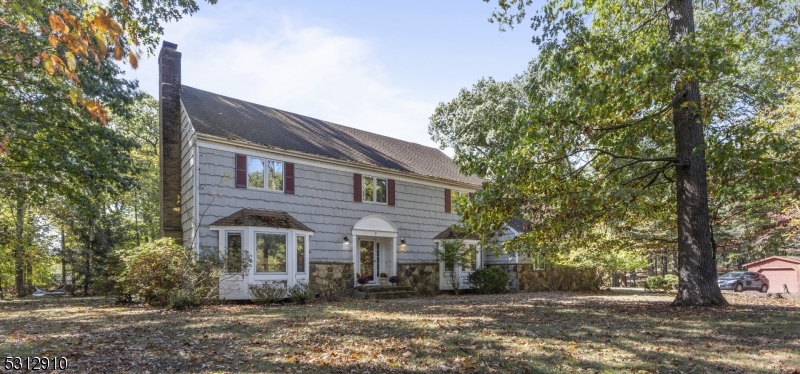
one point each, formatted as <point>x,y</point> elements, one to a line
<point>379,66</point>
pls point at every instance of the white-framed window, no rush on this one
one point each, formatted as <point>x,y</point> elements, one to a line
<point>300,249</point>
<point>233,252</point>
<point>538,261</point>
<point>374,189</point>
<point>265,174</point>
<point>270,253</point>
<point>454,198</point>
<point>472,251</point>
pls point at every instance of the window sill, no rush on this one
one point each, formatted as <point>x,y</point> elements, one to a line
<point>263,189</point>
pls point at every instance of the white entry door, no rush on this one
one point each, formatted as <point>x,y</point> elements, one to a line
<point>369,261</point>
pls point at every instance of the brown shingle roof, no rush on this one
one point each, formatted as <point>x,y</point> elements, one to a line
<point>785,258</point>
<point>521,225</point>
<point>262,218</point>
<point>230,118</point>
<point>452,233</point>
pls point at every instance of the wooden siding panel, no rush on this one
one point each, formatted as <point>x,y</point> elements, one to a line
<point>357,187</point>
<point>188,141</point>
<point>324,201</point>
<point>289,178</point>
<point>240,171</point>
<point>447,200</point>
<point>391,192</point>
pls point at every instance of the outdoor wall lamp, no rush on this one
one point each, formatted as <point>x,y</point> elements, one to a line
<point>346,241</point>
<point>403,242</point>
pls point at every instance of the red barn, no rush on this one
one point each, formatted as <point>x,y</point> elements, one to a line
<point>779,271</point>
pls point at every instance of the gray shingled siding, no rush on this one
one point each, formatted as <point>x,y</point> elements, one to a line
<point>489,258</point>
<point>323,200</point>
<point>188,141</point>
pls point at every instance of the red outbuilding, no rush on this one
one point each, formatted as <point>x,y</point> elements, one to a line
<point>779,270</point>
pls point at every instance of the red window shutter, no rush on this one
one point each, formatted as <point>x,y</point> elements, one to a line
<point>391,192</point>
<point>288,175</point>
<point>447,200</point>
<point>357,187</point>
<point>241,171</point>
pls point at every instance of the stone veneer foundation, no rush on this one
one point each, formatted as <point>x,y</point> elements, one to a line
<point>523,277</point>
<point>422,277</point>
<point>323,274</point>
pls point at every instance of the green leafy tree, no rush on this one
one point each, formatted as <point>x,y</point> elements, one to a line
<point>618,121</point>
<point>58,84</point>
<point>451,254</point>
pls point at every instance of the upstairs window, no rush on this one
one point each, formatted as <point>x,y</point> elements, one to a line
<point>454,199</point>
<point>374,189</point>
<point>265,174</point>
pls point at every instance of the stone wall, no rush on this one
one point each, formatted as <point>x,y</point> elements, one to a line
<point>523,277</point>
<point>323,275</point>
<point>424,278</point>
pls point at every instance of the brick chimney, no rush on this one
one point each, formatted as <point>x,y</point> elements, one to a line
<point>169,120</point>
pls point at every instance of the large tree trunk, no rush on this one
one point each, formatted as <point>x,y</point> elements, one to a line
<point>19,249</point>
<point>697,265</point>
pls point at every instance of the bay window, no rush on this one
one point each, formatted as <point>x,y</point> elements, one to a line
<point>270,253</point>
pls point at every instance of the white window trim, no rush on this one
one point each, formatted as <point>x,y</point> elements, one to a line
<point>287,245</point>
<point>305,253</point>
<point>478,250</point>
<point>266,162</point>
<point>241,250</point>
<point>248,245</point>
<point>374,190</point>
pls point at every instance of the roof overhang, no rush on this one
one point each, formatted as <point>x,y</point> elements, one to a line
<point>772,258</point>
<point>261,218</point>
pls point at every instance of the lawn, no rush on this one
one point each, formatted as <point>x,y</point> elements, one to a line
<point>530,332</point>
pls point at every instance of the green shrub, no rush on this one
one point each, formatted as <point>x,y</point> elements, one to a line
<point>301,292</point>
<point>182,299</point>
<point>267,292</point>
<point>489,280</point>
<point>658,283</point>
<point>152,271</point>
<point>167,274</point>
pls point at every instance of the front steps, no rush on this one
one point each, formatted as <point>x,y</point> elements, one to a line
<point>385,292</point>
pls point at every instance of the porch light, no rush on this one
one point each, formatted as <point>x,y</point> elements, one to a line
<point>346,241</point>
<point>403,242</point>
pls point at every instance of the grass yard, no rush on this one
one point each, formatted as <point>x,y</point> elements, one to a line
<point>536,332</point>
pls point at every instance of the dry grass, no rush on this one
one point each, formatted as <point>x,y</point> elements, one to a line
<point>537,332</point>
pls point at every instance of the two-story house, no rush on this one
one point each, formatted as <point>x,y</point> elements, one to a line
<point>301,198</point>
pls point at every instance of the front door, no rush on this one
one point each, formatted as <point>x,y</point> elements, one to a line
<point>369,260</point>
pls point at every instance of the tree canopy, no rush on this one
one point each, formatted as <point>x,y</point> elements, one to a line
<point>584,142</point>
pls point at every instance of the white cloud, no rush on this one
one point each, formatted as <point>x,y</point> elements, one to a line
<point>307,70</point>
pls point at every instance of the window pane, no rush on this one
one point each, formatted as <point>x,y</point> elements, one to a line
<point>473,253</point>
<point>380,190</point>
<point>233,253</point>
<point>368,188</point>
<point>255,172</point>
<point>270,253</point>
<point>453,200</point>
<point>450,261</point>
<point>275,175</point>
<point>301,254</point>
